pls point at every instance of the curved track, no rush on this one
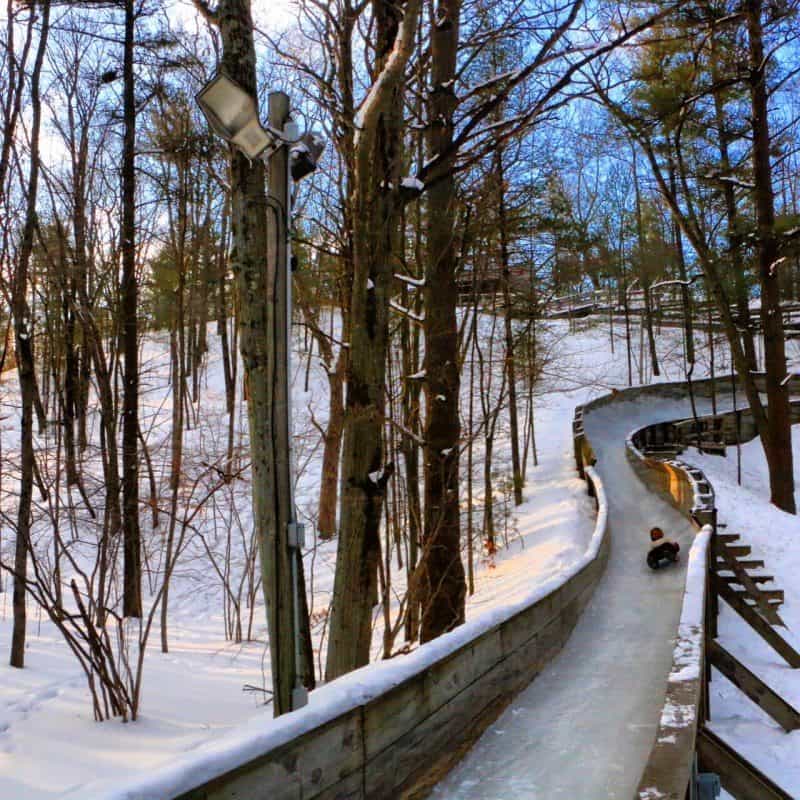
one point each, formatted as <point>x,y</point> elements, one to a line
<point>584,728</point>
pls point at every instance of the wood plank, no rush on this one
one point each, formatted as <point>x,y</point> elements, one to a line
<point>728,538</point>
<point>755,578</point>
<point>305,767</point>
<point>751,564</point>
<point>784,714</point>
<point>391,715</point>
<point>759,625</point>
<point>774,596</point>
<point>746,581</point>
<point>737,775</point>
<point>734,550</point>
<point>409,767</point>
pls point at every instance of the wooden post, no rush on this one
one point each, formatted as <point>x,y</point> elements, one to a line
<point>784,714</point>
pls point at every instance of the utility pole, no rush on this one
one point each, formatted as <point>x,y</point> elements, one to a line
<point>285,578</point>
<point>262,264</point>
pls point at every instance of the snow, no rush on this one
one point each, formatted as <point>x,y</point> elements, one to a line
<point>773,536</point>
<point>418,282</point>
<point>197,721</point>
<point>194,727</point>
<point>412,183</point>
<point>688,648</point>
<point>494,79</point>
<point>406,311</point>
<point>600,699</point>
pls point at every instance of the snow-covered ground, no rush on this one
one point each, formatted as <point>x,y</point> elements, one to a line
<point>194,695</point>
<point>775,538</point>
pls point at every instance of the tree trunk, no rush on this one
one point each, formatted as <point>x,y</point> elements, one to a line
<point>375,203</point>
<point>510,362</point>
<point>132,548</point>
<point>442,583</point>
<point>779,443</point>
<point>645,283</point>
<point>24,332</point>
<point>734,234</point>
<point>677,236</point>
<point>177,349</point>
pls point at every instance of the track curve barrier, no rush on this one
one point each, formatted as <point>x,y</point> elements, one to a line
<point>668,770</point>
<point>394,728</point>
<point>649,449</point>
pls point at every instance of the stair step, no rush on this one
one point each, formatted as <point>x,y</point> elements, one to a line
<point>751,564</point>
<point>727,538</point>
<point>738,550</point>
<point>754,578</point>
<point>773,596</point>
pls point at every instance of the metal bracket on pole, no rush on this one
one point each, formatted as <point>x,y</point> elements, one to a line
<point>703,785</point>
<point>299,696</point>
<point>296,535</point>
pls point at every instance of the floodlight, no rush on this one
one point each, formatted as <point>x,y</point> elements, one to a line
<point>305,155</point>
<point>232,114</point>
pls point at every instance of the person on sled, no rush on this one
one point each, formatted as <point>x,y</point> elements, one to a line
<point>662,550</point>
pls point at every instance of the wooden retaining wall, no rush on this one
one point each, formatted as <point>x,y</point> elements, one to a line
<point>399,743</point>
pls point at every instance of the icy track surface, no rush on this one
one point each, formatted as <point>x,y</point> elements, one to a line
<point>584,728</point>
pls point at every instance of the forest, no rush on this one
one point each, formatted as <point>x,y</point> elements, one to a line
<point>309,414</point>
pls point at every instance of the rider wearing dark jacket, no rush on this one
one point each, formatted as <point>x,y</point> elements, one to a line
<point>661,548</point>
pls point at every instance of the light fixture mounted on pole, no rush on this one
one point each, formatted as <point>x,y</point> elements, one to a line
<point>232,114</point>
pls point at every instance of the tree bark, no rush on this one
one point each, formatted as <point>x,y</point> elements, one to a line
<point>510,361</point>
<point>24,332</point>
<point>779,424</point>
<point>375,204</point>
<point>677,236</point>
<point>443,587</point>
<point>732,213</point>
<point>132,547</point>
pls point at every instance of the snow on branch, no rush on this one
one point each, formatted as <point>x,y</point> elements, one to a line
<point>775,264</point>
<point>406,432</point>
<point>412,183</point>
<point>418,282</point>
<point>406,312</point>
<point>393,71</point>
<point>675,282</point>
<point>714,176</point>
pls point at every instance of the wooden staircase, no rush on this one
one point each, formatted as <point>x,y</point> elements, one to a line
<point>735,582</point>
<point>738,586</point>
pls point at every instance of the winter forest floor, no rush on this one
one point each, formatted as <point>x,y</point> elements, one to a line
<point>51,747</point>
